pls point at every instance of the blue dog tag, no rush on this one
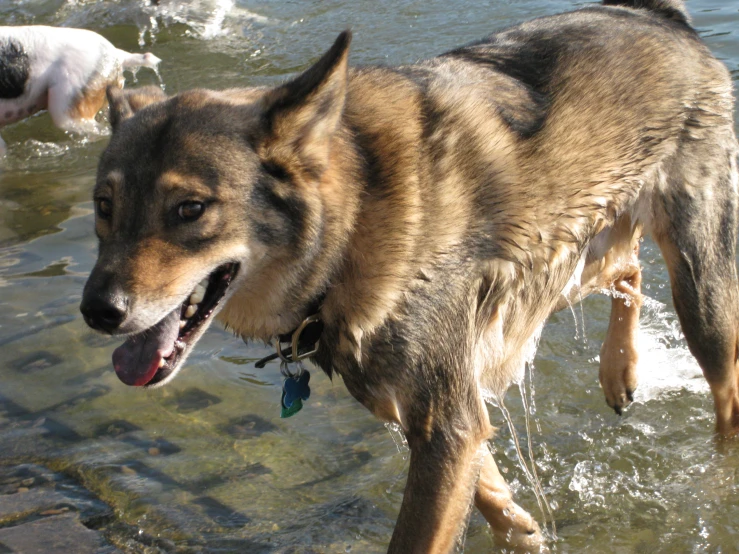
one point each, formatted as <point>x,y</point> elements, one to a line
<point>295,390</point>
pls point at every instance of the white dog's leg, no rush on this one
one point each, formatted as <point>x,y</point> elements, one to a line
<point>74,114</point>
<point>60,100</point>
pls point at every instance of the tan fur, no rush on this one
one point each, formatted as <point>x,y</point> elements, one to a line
<point>89,103</point>
<point>435,215</point>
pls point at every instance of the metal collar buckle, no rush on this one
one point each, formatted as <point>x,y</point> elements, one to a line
<point>292,354</point>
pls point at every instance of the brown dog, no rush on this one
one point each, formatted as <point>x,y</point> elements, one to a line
<point>432,216</point>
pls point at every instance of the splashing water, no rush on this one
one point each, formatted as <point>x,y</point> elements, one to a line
<point>665,363</point>
<point>575,281</point>
<point>159,78</point>
<point>529,410</point>
<point>396,433</point>
<point>537,482</point>
<point>206,19</point>
<point>214,27</point>
<point>582,315</point>
<point>539,494</point>
<point>574,317</point>
<point>134,72</point>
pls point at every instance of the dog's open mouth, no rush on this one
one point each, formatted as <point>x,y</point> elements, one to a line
<point>149,357</point>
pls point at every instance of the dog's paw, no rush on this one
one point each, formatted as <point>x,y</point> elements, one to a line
<point>618,378</point>
<point>520,534</point>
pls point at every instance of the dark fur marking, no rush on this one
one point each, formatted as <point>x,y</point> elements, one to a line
<point>14,69</point>
<point>373,172</point>
<point>276,171</point>
<point>291,210</point>
<point>530,59</point>
<point>199,243</point>
<point>268,234</point>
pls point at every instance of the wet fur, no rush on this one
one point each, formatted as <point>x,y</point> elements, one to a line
<point>441,212</point>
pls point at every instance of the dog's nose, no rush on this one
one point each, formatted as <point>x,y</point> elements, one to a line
<point>104,312</point>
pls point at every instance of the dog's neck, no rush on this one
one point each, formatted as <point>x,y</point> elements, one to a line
<point>265,307</point>
<point>373,243</point>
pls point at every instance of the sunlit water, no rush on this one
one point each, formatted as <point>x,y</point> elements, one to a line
<point>206,463</point>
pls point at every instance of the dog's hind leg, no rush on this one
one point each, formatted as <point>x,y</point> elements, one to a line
<point>73,110</point>
<point>695,223</point>
<point>513,527</point>
<point>618,355</point>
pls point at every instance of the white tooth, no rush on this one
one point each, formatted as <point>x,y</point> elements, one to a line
<point>190,311</point>
<point>197,295</point>
<point>204,283</point>
<point>182,323</point>
<point>162,362</point>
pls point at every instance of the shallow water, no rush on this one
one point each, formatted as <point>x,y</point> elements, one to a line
<point>206,462</point>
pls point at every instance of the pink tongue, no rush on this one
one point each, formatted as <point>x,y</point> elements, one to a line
<point>136,361</point>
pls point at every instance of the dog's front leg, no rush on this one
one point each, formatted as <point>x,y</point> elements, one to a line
<point>444,466</point>
<point>514,528</point>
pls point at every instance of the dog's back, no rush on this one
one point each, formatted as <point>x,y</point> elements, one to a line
<point>532,141</point>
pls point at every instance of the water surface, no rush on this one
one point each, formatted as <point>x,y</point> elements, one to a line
<point>206,464</point>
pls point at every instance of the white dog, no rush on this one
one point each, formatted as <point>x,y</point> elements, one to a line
<point>62,70</point>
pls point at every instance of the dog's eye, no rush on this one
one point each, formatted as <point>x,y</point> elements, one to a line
<point>104,208</point>
<point>190,211</point>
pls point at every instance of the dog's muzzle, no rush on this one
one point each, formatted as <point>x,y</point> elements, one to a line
<point>104,308</point>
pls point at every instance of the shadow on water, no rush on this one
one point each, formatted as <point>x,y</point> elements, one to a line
<point>206,464</point>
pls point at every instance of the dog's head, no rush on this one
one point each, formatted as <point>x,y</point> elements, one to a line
<point>195,196</point>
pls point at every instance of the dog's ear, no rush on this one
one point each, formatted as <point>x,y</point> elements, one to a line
<point>302,115</point>
<point>124,103</point>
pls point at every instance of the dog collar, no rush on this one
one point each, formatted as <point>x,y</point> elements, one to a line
<point>299,344</point>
